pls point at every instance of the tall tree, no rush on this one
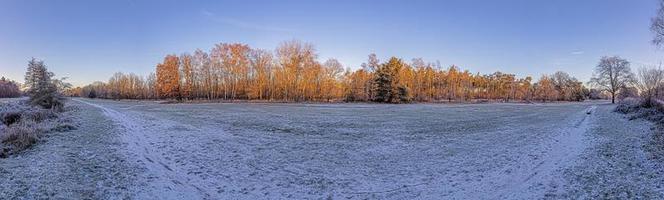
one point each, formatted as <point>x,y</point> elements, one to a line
<point>294,58</point>
<point>611,74</point>
<point>387,86</point>
<point>187,76</point>
<point>331,74</point>
<point>545,88</point>
<point>168,79</point>
<point>262,66</point>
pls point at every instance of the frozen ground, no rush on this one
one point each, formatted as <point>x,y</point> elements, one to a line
<point>145,150</point>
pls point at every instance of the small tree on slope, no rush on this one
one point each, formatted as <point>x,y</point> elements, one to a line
<point>40,87</point>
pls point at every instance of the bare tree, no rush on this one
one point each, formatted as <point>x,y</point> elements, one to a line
<point>9,88</point>
<point>648,81</point>
<point>611,74</point>
<point>657,25</point>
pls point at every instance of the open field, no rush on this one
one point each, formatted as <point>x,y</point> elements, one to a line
<point>147,150</point>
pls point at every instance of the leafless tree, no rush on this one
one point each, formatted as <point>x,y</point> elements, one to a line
<point>657,25</point>
<point>649,79</point>
<point>611,74</point>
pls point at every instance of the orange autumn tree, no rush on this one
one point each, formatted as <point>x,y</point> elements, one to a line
<point>168,78</point>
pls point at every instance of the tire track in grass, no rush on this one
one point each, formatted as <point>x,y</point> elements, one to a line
<point>561,152</point>
<point>169,183</point>
<point>539,172</point>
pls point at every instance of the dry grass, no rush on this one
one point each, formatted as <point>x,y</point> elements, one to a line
<point>652,111</point>
<point>23,125</point>
<point>19,137</point>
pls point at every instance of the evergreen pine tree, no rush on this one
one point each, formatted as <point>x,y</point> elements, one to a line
<point>387,86</point>
<point>382,83</point>
<point>40,88</point>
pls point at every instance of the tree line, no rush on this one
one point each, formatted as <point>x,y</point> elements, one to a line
<point>9,88</point>
<point>292,73</point>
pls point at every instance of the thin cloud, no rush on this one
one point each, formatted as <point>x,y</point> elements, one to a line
<point>577,52</point>
<point>242,24</point>
<point>207,13</point>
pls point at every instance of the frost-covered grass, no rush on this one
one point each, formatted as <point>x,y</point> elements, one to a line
<point>83,163</point>
<point>360,151</point>
<point>636,110</point>
<point>147,150</point>
<point>22,125</point>
<point>19,137</point>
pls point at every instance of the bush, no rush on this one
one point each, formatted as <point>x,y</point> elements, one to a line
<point>627,108</point>
<point>641,109</point>
<point>48,101</point>
<point>39,115</point>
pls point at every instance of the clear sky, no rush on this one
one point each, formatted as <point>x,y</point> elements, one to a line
<point>90,40</point>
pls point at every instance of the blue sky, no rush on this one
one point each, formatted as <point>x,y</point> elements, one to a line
<point>90,40</point>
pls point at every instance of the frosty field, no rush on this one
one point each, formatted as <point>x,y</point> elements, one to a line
<point>146,150</point>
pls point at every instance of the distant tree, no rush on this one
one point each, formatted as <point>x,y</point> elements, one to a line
<point>648,81</point>
<point>545,89</point>
<point>627,92</point>
<point>168,79</point>
<point>187,76</point>
<point>204,73</point>
<point>40,86</point>
<point>331,73</point>
<point>263,68</point>
<point>295,60</point>
<point>369,67</point>
<point>611,74</point>
<point>9,89</point>
<point>567,87</point>
<point>595,94</point>
<point>92,94</point>
<point>387,84</point>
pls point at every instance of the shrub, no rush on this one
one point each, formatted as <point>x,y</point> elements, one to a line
<point>39,115</point>
<point>641,109</point>
<point>626,108</point>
